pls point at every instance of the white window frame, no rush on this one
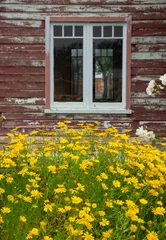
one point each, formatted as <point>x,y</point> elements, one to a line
<point>88,106</point>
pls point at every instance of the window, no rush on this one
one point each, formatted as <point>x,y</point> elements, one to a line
<point>88,65</point>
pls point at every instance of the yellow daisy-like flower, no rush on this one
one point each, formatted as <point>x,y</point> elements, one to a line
<point>133,228</point>
<point>76,200</point>
<point>33,232</point>
<point>22,219</point>
<point>101,213</point>
<point>152,236</point>
<point>116,183</point>
<point>107,234</point>
<point>1,219</point>
<point>2,190</point>
<point>158,211</point>
<point>143,201</point>
<point>43,225</point>
<point>104,222</point>
<point>88,236</point>
<point>48,238</point>
<point>10,198</point>
<point>5,210</point>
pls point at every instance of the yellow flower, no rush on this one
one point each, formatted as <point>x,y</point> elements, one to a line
<point>43,225</point>
<point>104,186</point>
<point>9,179</point>
<point>22,219</point>
<point>107,234</point>
<point>133,228</point>
<point>48,207</point>
<point>48,238</point>
<point>27,199</point>
<point>99,179</point>
<point>158,211</point>
<point>104,222</point>
<point>143,201</point>
<point>152,236</point>
<point>94,205</point>
<point>33,232</point>
<point>52,169</point>
<point>153,192</point>
<point>76,200</point>
<point>2,190</point>
<point>116,183</point>
<point>1,219</point>
<point>159,203</point>
<point>10,198</point>
<point>36,194</point>
<point>101,213</point>
<point>5,210</point>
<point>104,176</point>
<point>88,236</point>
<point>149,223</point>
<point>60,189</point>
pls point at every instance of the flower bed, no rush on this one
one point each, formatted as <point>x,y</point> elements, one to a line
<point>76,185</point>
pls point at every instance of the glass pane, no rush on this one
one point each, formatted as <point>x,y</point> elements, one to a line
<point>107,70</point>
<point>107,31</point>
<point>68,31</point>
<point>118,31</point>
<point>97,31</point>
<point>68,70</point>
<point>58,31</point>
<point>78,31</point>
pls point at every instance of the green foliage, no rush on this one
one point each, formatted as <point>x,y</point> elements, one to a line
<point>81,184</point>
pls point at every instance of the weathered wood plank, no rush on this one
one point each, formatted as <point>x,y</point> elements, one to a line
<point>148,47</point>
<point>23,55</point>
<point>41,16</point>
<point>23,78</point>
<point>149,32</point>
<point>151,101</point>
<point>22,93</point>
<point>22,63</point>
<point>25,24</point>
<point>148,55</point>
<point>22,70</point>
<point>146,71</point>
<point>145,78</point>
<point>22,48</point>
<point>21,40</point>
<point>22,109</point>
<point>142,94</point>
<point>15,86</point>
<point>22,101</point>
<point>22,31</point>
<point>149,24</point>
<point>82,2</point>
<point>149,40</point>
<point>148,63</point>
<point>82,8</point>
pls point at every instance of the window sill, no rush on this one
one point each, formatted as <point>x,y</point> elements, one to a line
<point>90,111</point>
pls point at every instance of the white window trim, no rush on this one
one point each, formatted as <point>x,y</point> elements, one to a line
<point>88,106</point>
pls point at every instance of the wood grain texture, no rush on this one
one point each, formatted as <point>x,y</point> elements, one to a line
<point>23,59</point>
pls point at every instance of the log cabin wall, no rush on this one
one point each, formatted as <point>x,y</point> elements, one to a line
<point>22,61</point>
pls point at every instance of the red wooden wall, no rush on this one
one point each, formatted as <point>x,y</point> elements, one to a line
<point>22,61</point>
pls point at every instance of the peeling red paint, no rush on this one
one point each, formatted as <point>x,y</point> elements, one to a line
<point>23,58</point>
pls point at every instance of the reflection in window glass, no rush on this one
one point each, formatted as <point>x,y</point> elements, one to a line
<point>68,70</point>
<point>68,31</point>
<point>118,31</point>
<point>57,31</point>
<point>78,31</point>
<point>107,70</point>
<point>107,31</point>
<point>97,31</point>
